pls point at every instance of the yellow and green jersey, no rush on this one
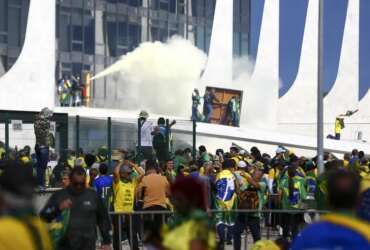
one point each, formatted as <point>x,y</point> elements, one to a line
<point>299,194</point>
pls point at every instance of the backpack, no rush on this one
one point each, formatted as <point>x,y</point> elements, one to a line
<point>248,199</point>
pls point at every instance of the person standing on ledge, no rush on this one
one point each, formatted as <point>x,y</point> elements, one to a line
<point>209,99</point>
<point>195,103</point>
<point>146,136</point>
<point>44,139</point>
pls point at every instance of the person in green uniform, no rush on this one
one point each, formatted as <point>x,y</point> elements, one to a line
<point>293,193</point>
<point>195,115</point>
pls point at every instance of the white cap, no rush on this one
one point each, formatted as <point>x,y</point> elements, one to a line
<point>242,152</point>
<point>242,164</point>
<point>95,165</point>
<point>280,150</point>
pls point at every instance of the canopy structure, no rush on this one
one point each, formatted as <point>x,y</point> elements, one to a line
<point>214,133</point>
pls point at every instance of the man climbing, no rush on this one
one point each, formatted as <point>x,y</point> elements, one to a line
<point>195,103</point>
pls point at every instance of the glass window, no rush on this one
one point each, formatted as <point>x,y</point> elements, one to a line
<point>164,5</point>
<point>199,36</point>
<point>87,67</point>
<point>198,8</point>
<point>76,69</point>
<point>89,39</point>
<point>208,37</point>
<point>66,69</point>
<point>112,37</point>
<point>154,4</point>
<point>3,16</point>
<point>209,8</point>
<point>236,44</point>
<point>135,2</point>
<point>77,44</point>
<point>64,33</point>
<point>181,6</point>
<point>122,33</point>
<point>3,38</point>
<point>173,6</point>
<point>134,37</point>
<point>245,44</point>
<point>14,31</point>
<point>163,35</point>
<point>77,32</point>
<point>16,2</point>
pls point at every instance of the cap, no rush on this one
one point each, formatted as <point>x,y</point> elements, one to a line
<point>46,113</point>
<point>143,114</point>
<point>79,162</point>
<point>242,164</point>
<point>117,155</point>
<point>280,150</point>
<point>242,152</point>
<point>124,169</point>
<point>95,166</point>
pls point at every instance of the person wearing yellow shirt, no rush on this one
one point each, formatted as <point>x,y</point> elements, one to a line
<point>190,227</point>
<point>346,159</point>
<point>20,228</point>
<point>2,150</point>
<point>339,125</point>
<point>125,182</point>
<point>234,153</point>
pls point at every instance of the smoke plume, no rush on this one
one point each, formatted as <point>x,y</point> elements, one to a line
<point>158,77</point>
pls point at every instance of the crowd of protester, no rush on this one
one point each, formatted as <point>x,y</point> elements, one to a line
<point>71,91</point>
<point>204,193</point>
<point>229,116</point>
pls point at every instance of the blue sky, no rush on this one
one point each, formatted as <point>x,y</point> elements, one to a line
<point>292,23</point>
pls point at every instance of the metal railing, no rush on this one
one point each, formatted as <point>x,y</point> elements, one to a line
<point>131,227</point>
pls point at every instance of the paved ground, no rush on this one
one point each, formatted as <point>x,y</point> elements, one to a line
<point>247,242</point>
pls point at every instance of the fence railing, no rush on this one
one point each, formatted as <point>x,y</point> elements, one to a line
<point>130,229</point>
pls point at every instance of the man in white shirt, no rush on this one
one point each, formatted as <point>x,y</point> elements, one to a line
<point>146,136</point>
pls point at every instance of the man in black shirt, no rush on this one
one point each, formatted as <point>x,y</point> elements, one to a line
<point>87,211</point>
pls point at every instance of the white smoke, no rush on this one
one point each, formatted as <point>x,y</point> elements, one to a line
<point>158,77</point>
<point>259,99</point>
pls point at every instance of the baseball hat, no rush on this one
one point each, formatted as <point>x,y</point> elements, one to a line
<point>242,164</point>
<point>117,155</point>
<point>95,166</point>
<point>144,114</point>
<point>280,150</point>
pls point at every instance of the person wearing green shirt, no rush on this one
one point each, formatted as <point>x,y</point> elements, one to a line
<point>293,193</point>
<point>203,154</point>
<point>251,196</point>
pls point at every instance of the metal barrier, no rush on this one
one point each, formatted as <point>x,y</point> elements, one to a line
<point>132,225</point>
<point>91,134</point>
